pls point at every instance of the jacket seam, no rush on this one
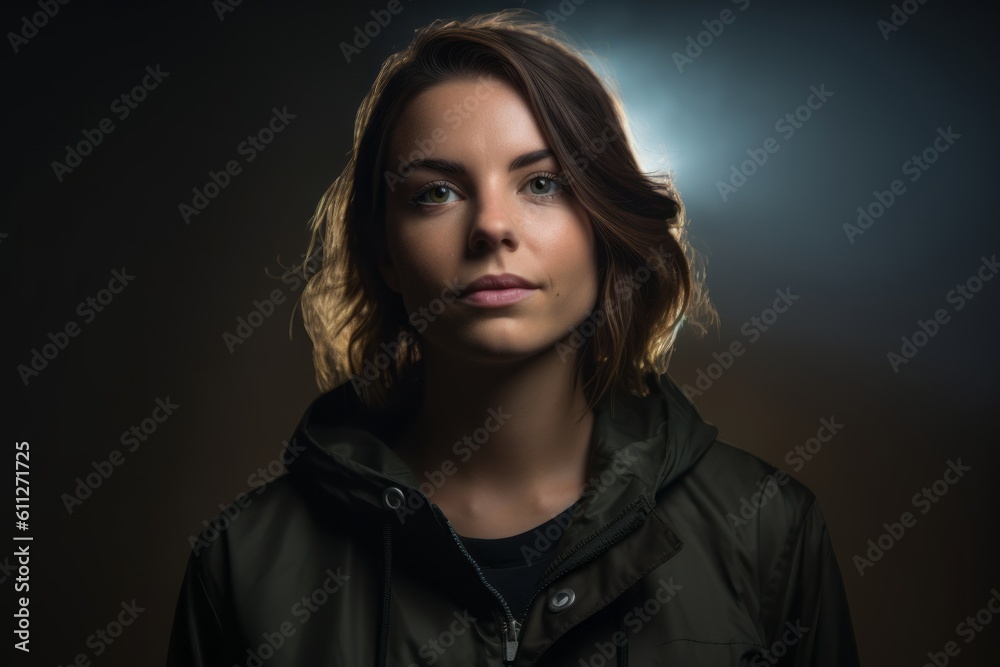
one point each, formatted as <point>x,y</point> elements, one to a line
<point>770,592</point>
<point>710,643</point>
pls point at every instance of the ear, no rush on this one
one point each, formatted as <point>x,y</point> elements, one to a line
<point>387,269</point>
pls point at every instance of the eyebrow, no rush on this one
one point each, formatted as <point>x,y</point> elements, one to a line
<point>457,168</point>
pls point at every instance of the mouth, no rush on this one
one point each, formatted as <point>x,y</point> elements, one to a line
<point>497,290</point>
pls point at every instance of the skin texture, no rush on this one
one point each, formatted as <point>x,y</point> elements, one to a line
<point>492,219</point>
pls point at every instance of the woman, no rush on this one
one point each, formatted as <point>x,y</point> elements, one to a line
<point>500,471</point>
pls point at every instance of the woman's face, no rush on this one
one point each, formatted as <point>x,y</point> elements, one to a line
<point>472,193</point>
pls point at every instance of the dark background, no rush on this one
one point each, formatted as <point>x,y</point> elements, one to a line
<point>825,357</point>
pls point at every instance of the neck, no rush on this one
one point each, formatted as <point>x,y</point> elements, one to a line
<point>508,431</point>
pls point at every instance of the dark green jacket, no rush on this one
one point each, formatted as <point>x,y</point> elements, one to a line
<point>684,550</point>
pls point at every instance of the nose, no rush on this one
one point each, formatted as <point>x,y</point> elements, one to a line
<point>495,220</point>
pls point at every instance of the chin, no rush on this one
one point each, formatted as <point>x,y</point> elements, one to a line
<point>500,350</point>
<point>495,353</point>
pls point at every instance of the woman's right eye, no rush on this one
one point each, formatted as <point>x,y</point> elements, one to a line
<point>436,194</point>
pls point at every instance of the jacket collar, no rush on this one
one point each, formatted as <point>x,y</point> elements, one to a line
<point>640,446</point>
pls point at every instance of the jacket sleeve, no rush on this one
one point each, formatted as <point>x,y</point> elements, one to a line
<point>205,632</point>
<point>809,621</point>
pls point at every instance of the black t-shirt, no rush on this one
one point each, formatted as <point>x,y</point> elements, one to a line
<point>514,565</point>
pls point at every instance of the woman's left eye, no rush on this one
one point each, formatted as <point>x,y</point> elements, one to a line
<point>435,194</point>
<point>544,185</point>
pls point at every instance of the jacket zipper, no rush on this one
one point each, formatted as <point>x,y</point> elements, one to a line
<point>612,533</point>
<point>510,632</point>
<point>605,538</point>
<point>510,627</point>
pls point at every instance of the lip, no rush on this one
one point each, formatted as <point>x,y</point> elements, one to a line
<point>497,290</point>
<point>502,281</point>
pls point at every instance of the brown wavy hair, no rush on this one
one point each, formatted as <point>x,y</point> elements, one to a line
<point>648,286</point>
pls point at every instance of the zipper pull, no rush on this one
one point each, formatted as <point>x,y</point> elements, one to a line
<point>510,633</point>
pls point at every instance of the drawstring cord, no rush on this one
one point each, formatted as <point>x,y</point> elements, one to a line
<point>622,649</point>
<point>383,633</point>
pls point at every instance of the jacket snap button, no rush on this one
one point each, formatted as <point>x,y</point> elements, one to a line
<point>393,498</point>
<point>562,600</point>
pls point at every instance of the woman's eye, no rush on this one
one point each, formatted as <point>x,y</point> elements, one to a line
<point>543,185</point>
<point>439,194</point>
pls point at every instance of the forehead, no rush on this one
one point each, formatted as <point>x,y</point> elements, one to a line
<point>484,115</point>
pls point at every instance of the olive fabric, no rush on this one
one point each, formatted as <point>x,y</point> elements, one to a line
<point>683,550</point>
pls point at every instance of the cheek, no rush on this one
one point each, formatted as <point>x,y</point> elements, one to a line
<point>574,246</point>
<point>416,267</point>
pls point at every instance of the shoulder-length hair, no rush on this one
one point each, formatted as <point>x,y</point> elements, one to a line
<point>647,287</point>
